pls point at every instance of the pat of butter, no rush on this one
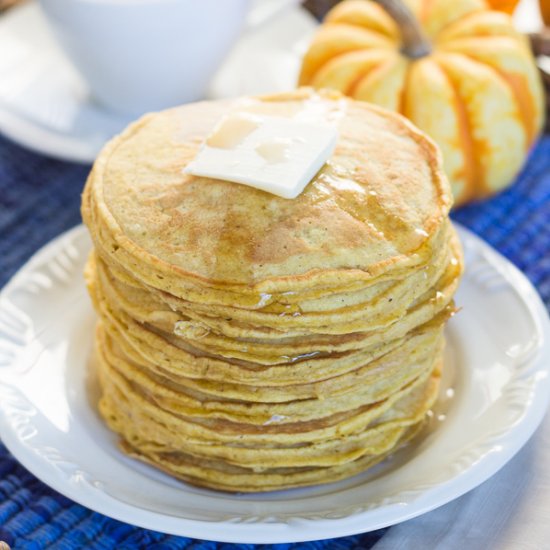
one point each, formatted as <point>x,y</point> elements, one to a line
<point>275,154</point>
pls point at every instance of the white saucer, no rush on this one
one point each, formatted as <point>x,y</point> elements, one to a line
<point>45,105</point>
<point>494,396</point>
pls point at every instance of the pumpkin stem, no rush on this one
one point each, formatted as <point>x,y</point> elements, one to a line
<point>415,44</point>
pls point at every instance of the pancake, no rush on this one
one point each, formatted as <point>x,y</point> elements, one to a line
<point>224,477</point>
<point>373,208</point>
<point>247,342</point>
<point>399,367</point>
<point>369,307</point>
<point>436,302</point>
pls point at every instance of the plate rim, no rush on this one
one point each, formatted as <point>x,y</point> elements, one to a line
<point>300,529</point>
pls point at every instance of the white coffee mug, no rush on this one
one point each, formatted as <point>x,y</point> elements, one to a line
<point>146,55</point>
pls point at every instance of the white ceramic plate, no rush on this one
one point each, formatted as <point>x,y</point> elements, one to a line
<point>495,393</point>
<point>45,105</point>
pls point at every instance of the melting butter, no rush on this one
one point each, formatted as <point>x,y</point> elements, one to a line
<point>277,149</point>
<point>279,155</point>
<point>232,130</point>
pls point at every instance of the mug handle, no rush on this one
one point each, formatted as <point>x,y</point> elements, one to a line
<point>264,10</point>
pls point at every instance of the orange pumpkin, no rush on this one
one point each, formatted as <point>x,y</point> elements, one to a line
<point>545,11</point>
<point>458,70</point>
<point>503,5</point>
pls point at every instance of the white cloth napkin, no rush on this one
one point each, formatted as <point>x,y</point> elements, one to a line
<point>510,511</point>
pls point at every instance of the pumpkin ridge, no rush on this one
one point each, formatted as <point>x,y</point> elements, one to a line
<point>380,67</point>
<point>403,94</point>
<point>520,91</point>
<point>449,24</point>
<point>341,14</point>
<point>472,169</point>
<point>435,15</point>
<point>425,10</point>
<point>350,58</point>
<point>314,63</point>
<point>502,23</point>
<point>389,41</point>
<point>360,77</point>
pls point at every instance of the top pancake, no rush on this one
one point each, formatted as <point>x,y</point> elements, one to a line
<point>373,208</point>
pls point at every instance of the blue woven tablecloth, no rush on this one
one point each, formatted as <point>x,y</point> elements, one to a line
<point>40,197</point>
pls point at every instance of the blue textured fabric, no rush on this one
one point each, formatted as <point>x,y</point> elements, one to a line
<point>39,198</point>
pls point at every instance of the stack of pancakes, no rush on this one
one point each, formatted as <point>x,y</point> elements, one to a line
<point>248,342</point>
